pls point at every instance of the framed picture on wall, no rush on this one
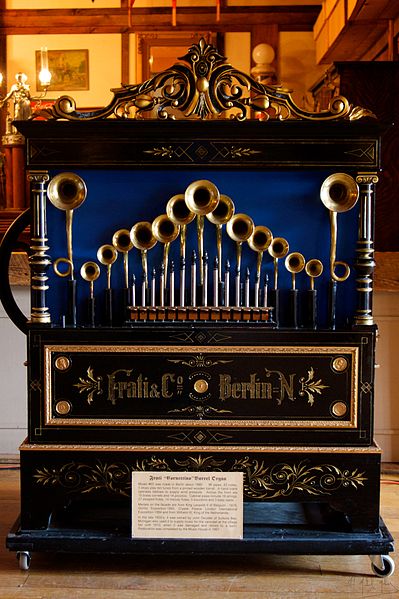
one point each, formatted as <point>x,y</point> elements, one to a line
<point>69,69</point>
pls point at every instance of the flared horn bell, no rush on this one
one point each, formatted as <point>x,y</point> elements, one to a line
<point>107,254</point>
<point>165,231</point>
<point>202,197</point>
<point>90,271</point>
<point>295,262</point>
<point>142,236</point>
<point>219,217</point>
<point>67,191</point>
<point>314,268</point>
<point>259,241</point>
<point>339,192</point>
<point>223,211</point>
<point>240,227</point>
<point>122,242</point>
<point>278,248</point>
<point>178,210</point>
<point>143,239</point>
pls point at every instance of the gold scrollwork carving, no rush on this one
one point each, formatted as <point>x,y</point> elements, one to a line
<point>203,85</point>
<point>282,480</point>
<point>260,481</point>
<point>199,361</point>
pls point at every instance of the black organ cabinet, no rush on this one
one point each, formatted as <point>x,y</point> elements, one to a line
<point>201,300</point>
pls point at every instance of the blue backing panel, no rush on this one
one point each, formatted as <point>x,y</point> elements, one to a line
<point>286,202</point>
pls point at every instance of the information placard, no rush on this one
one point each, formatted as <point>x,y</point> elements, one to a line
<point>193,505</point>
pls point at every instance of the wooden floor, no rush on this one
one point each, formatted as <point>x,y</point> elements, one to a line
<point>122,577</point>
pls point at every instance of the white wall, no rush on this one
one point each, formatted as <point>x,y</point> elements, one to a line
<point>13,404</point>
<point>13,377</point>
<point>386,312</point>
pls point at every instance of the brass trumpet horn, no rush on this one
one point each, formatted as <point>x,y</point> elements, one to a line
<point>178,211</point>
<point>90,271</point>
<point>201,197</point>
<point>122,242</point>
<point>339,193</point>
<point>219,217</point>
<point>240,228</point>
<point>313,268</point>
<point>67,191</point>
<point>278,249</point>
<point>107,255</point>
<point>143,239</point>
<point>165,231</point>
<point>294,263</point>
<point>259,241</point>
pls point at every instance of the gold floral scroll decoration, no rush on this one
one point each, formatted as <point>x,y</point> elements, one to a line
<point>203,86</point>
<point>260,481</point>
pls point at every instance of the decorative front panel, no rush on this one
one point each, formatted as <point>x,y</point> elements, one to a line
<point>248,388</point>
<point>56,476</point>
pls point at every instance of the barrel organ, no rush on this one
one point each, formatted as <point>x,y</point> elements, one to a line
<point>201,295</point>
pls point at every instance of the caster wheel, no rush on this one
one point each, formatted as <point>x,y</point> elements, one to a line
<point>24,559</point>
<point>385,567</point>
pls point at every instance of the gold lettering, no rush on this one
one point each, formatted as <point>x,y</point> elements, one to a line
<point>166,379</point>
<point>113,385</point>
<point>235,390</point>
<point>224,386</point>
<point>154,390</point>
<point>286,388</point>
<point>254,389</point>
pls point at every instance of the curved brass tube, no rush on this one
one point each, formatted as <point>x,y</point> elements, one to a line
<point>219,217</point>
<point>67,191</point>
<point>278,249</point>
<point>201,197</point>
<point>240,228</point>
<point>339,193</point>
<point>178,211</point>
<point>165,231</point>
<point>143,239</point>
<point>294,263</point>
<point>122,242</point>
<point>259,241</point>
<point>313,269</point>
<point>106,255</point>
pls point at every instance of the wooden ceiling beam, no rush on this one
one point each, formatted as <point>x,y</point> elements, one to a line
<point>50,21</point>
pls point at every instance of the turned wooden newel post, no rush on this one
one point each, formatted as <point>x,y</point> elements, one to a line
<point>365,249</point>
<point>39,260</point>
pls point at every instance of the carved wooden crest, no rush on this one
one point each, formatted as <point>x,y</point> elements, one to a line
<point>202,85</point>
